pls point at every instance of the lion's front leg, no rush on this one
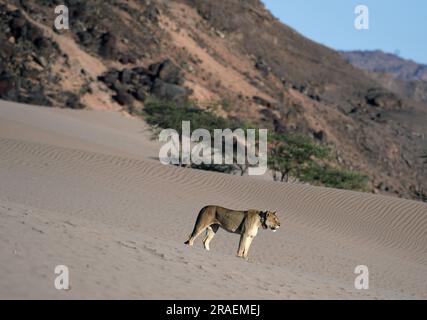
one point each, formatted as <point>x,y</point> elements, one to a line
<point>247,244</point>
<point>241,249</point>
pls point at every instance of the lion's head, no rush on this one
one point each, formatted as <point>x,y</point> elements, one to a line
<point>270,220</point>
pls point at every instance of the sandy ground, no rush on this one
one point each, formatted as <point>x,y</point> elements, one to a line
<point>84,189</point>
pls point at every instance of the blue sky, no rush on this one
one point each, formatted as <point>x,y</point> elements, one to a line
<point>395,26</point>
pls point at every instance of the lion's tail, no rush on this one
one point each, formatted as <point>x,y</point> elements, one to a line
<point>195,225</point>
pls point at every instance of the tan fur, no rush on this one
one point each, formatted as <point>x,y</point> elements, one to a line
<point>245,223</point>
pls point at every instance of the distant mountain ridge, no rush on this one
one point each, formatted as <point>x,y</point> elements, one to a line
<point>379,61</point>
<point>404,77</point>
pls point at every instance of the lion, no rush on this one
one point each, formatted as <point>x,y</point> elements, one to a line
<point>245,223</point>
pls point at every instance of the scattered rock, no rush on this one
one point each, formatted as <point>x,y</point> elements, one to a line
<point>110,77</point>
<point>18,25</point>
<point>219,34</point>
<point>262,66</point>
<point>73,101</point>
<point>378,97</point>
<point>163,80</point>
<point>123,98</point>
<point>383,187</point>
<point>320,135</point>
<point>262,101</point>
<point>6,85</point>
<point>108,48</point>
<point>125,76</point>
<point>24,60</point>
<point>167,71</point>
<point>41,61</point>
<point>169,91</point>
<point>347,107</point>
<point>140,94</point>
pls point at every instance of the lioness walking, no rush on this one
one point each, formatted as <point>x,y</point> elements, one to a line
<point>245,223</point>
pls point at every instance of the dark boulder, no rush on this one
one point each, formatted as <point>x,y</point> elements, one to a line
<point>262,66</point>
<point>125,75</point>
<point>123,98</point>
<point>110,77</point>
<point>166,71</point>
<point>320,135</point>
<point>85,38</point>
<point>140,94</point>
<point>72,101</point>
<point>127,59</point>
<point>262,101</point>
<point>381,98</point>
<point>9,89</point>
<point>119,86</point>
<point>109,45</point>
<point>18,26</point>
<point>140,70</point>
<point>169,91</point>
<point>145,81</point>
<point>7,84</point>
<point>170,73</point>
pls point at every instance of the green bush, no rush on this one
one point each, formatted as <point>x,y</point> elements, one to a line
<point>298,156</point>
<point>289,154</point>
<point>334,178</point>
<point>169,115</point>
<point>293,155</point>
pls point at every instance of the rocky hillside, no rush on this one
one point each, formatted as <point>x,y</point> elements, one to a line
<point>228,53</point>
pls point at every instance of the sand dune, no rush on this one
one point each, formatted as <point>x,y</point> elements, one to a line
<point>83,188</point>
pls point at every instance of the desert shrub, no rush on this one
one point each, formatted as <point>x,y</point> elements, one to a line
<point>300,157</point>
<point>167,114</point>
<point>334,177</point>
<point>419,194</point>
<point>162,114</point>
<point>290,154</point>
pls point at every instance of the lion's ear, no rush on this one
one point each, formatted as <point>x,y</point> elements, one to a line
<point>268,213</point>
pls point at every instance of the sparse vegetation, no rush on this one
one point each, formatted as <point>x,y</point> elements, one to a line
<point>166,114</point>
<point>290,156</point>
<point>162,114</point>
<point>420,193</point>
<point>299,157</point>
<point>334,178</point>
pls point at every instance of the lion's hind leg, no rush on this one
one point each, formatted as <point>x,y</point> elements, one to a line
<point>198,229</point>
<point>210,233</point>
<point>203,221</point>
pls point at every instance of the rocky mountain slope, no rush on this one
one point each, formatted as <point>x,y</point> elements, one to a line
<point>228,53</point>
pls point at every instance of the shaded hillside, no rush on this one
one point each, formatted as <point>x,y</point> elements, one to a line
<point>230,53</point>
